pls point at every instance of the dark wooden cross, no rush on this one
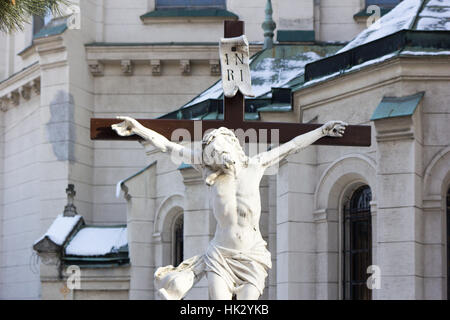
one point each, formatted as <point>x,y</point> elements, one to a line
<point>233,119</point>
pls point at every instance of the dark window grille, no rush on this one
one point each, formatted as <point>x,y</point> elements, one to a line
<point>197,4</point>
<point>178,241</point>
<point>357,248</point>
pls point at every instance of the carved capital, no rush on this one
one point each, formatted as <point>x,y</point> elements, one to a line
<point>25,91</point>
<point>214,67</point>
<point>127,67</point>
<point>3,104</point>
<point>96,68</point>
<point>14,97</point>
<point>185,66</point>
<point>156,67</point>
<point>36,85</point>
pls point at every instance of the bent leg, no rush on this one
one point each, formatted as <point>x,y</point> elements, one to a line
<point>217,287</point>
<point>247,292</point>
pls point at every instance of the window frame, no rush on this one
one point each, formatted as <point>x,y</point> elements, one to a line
<point>177,245</point>
<point>352,215</point>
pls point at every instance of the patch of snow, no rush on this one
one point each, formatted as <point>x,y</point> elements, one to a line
<point>266,74</point>
<point>399,18</point>
<point>354,68</point>
<point>437,2</point>
<point>435,16</point>
<point>119,188</point>
<point>437,12</point>
<point>275,73</point>
<point>310,82</point>
<point>60,229</point>
<point>426,53</point>
<point>370,62</point>
<point>97,241</point>
<point>428,23</point>
<point>212,93</point>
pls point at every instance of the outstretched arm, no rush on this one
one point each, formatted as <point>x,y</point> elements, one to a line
<point>130,126</point>
<point>331,128</point>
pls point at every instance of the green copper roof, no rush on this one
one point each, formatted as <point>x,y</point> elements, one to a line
<point>137,173</point>
<point>274,72</point>
<point>50,31</point>
<point>276,107</point>
<point>184,166</point>
<point>391,107</point>
<point>182,13</point>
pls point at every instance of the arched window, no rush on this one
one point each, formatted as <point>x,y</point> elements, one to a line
<point>448,244</point>
<point>357,245</point>
<point>177,243</point>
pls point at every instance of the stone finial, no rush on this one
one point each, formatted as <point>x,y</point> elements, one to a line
<point>268,26</point>
<point>70,210</point>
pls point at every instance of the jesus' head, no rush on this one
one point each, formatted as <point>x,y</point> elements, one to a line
<point>222,151</point>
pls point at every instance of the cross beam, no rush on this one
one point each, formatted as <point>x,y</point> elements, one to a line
<point>234,119</point>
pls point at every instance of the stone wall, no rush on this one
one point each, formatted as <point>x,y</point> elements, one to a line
<point>20,185</point>
<point>397,167</point>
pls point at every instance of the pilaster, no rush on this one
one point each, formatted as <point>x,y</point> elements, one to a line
<point>199,223</point>
<point>140,191</point>
<point>296,247</point>
<point>399,224</point>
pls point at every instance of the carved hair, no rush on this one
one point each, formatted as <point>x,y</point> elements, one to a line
<point>230,138</point>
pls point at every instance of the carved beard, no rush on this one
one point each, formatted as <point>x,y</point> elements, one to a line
<point>218,162</point>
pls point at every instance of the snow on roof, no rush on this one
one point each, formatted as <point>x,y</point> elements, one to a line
<point>60,229</point>
<point>425,53</point>
<point>97,241</point>
<point>274,73</point>
<point>269,71</point>
<point>435,16</point>
<point>399,18</point>
<point>355,68</point>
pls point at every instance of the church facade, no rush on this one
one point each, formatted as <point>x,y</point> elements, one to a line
<point>332,216</point>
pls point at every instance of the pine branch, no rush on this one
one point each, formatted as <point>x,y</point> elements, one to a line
<point>15,13</point>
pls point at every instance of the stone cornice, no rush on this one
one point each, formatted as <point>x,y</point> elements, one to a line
<point>191,176</point>
<point>402,68</point>
<point>158,51</point>
<point>19,86</point>
<point>394,129</point>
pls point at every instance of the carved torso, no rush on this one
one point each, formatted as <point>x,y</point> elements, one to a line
<point>237,208</point>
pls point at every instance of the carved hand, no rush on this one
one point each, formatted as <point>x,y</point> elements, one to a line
<point>334,128</point>
<point>127,127</point>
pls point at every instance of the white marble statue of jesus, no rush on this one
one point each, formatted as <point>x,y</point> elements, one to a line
<point>237,260</point>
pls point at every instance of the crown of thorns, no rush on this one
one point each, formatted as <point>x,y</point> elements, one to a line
<point>216,132</point>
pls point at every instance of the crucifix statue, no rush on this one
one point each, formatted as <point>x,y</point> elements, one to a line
<point>236,260</point>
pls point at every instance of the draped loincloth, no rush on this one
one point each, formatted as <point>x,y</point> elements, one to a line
<point>235,267</point>
<point>238,267</point>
